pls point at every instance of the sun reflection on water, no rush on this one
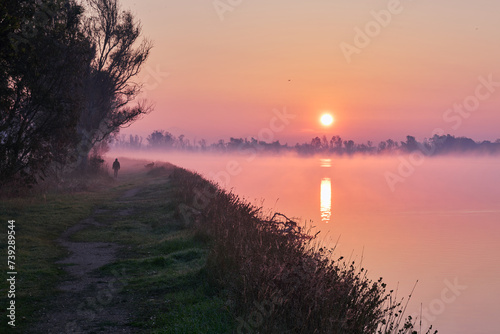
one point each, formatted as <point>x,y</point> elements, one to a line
<point>326,199</point>
<point>325,163</point>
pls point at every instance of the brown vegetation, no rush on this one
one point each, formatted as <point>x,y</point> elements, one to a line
<point>274,277</point>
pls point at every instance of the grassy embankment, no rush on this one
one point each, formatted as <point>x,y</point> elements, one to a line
<point>198,260</point>
<point>160,258</point>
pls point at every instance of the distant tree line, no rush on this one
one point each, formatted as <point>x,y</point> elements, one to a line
<point>65,82</point>
<point>445,144</point>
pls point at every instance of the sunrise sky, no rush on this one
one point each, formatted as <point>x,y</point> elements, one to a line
<point>223,69</point>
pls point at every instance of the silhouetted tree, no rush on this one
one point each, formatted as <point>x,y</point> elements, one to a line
<point>410,145</point>
<point>316,144</point>
<point>203,144</point>
<point>324,143</point>
<point>436,145</point>
<point>108,86</point>
<point>161,139</point>
<point>220,146</point>
<point>181,142</point>
<point>336,144</point>
<point>349,146</point>
<point>135,142</point>
<point>43,56</point>
<point>235,144</point>
<point>382,146</point>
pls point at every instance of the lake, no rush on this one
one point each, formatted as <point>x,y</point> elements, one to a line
<point>434,219</point>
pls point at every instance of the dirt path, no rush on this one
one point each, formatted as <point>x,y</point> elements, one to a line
<point>89,302</point>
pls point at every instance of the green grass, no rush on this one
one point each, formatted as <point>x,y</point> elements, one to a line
<point>40,221</point>
<point>205,266</point>
<point>163,261</point>
<point>275,278</point>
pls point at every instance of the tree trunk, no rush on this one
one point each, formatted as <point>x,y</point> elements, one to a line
<point>82,150</point>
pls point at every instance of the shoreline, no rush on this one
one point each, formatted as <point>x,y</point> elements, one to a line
<point>182,237</point>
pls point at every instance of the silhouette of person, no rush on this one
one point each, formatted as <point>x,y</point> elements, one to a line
<point>116,167</point>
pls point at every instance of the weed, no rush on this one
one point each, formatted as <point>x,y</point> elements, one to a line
<point>274,277</point>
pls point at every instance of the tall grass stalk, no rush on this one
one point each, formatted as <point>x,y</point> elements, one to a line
<point>273,265</point>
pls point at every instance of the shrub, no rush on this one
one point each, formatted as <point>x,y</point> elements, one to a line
<point>274,277</point>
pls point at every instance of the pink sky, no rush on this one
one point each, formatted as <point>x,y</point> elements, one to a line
<point>223,73</point>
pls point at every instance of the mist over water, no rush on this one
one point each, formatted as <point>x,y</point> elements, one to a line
<point>438,224</point>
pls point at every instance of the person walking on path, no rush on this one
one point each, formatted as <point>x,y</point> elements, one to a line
<point>116,167</point>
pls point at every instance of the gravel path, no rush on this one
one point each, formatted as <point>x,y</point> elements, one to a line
<point>89,302</point>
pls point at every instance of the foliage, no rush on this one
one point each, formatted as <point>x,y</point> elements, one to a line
<point>43,59</point>
<point>160,139</point>
<point>161,261</point>
<point>271,265</point>
<point>437,145</point>
<point>40,220</point>
<point>108,86</point>
<point>65,82</point>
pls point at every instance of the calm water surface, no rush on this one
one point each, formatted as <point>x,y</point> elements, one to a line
<point>440,225</point>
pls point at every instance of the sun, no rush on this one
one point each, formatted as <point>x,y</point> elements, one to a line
<point>326,119</point>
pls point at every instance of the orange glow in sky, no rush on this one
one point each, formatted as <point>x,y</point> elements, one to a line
<point>387,70</point>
